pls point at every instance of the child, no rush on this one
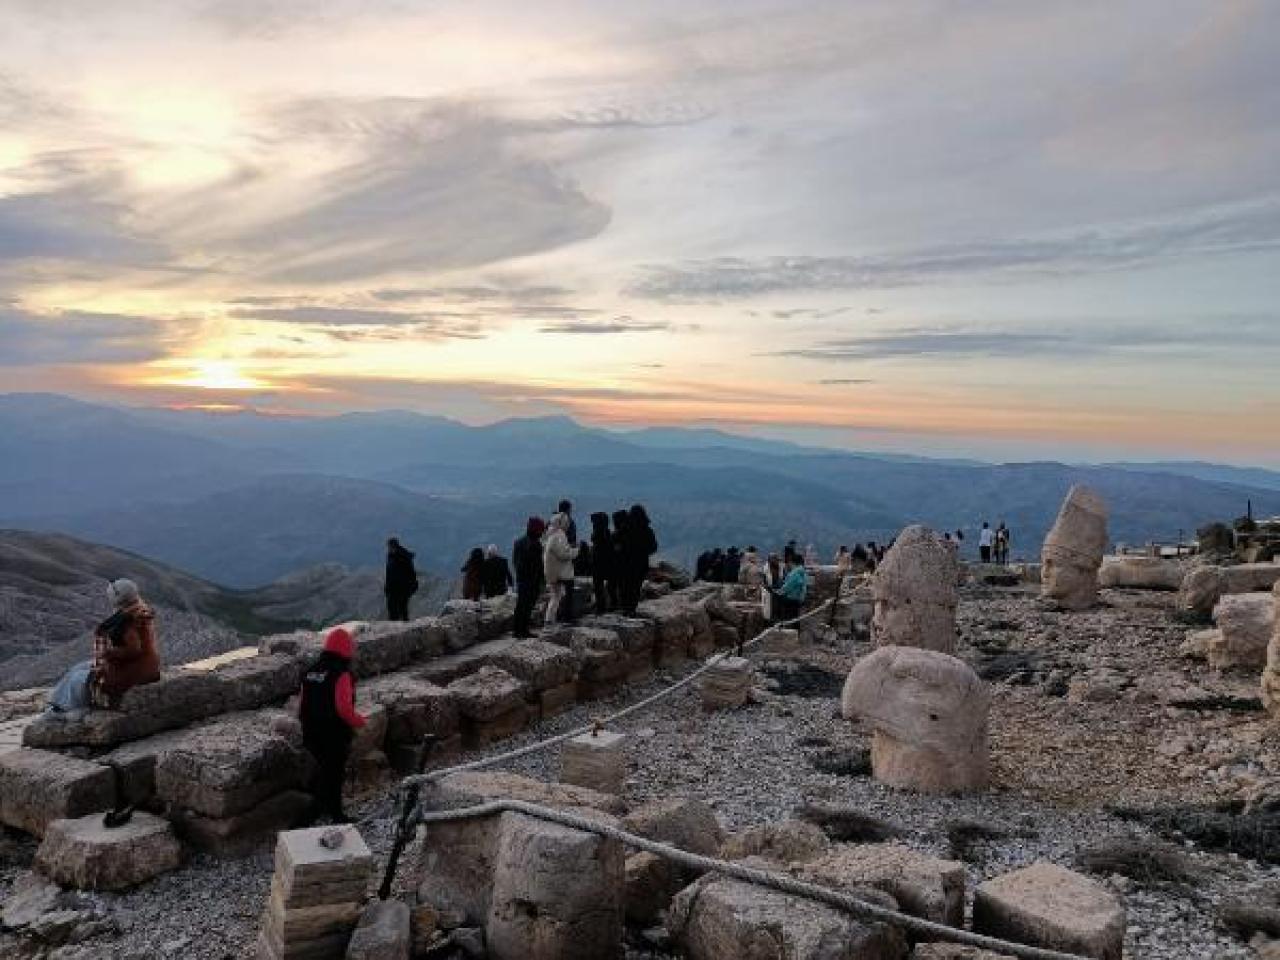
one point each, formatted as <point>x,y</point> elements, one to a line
<point>329,718</point>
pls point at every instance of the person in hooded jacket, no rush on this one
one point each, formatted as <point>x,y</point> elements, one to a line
<point>732,565</point>
<point>401,582</point>
<point>639,546</point>
<point>526,554</point>
<point>602,573</point>
<point>497,573</point>
<point>557,565</point>
<point>124,645</point>
<point>473,575</point>
<point>329,718</point>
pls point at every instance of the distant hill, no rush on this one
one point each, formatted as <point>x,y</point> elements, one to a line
<point>245,498</point>
<point>53,592</point>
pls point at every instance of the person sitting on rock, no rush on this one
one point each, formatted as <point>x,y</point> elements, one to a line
<point>125,654</point>
<point>473,575</point>
<point>329,720</point>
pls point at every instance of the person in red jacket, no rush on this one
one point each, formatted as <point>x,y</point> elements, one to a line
<point>327,709</point>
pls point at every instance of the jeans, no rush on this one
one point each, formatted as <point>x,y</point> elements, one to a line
<point>526,599</point>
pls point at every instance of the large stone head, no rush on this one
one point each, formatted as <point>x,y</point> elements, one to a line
<point>914,590</point>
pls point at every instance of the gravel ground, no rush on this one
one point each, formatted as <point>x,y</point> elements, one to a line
<point>1058,760</point>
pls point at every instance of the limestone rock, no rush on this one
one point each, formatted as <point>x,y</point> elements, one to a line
<point>928,711</point>
<point>314,903</point>
<point>923,886</point>
<point>415,708</point>
<point>258,681</point>
<point>1199,592</point>
<point>597,760</point>
<point>1073,550</point>
<point>233,764</point>
<point>1245,624</point>
<point>914,591</point>
<point>789,841</point>
<point>557,892</point>
<point>487,694</point>
<point>38,787</point>
<point>727,684</point>
<point>650,882</point>
<point>539,665</point>
<point>722,919</point>
<point>85,854</point>
<point>237,835</point>
<point>1271,673</point>
<point>1050,906</point>
<point>688,824</point>
<point>1141,573</point>
<point>383,932</point>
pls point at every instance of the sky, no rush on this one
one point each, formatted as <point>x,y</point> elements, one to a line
<point>979,227</point>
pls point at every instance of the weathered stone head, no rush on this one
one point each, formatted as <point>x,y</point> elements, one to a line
<point>1073,550</point>
<point>928,711</point>
<point>914,591</point>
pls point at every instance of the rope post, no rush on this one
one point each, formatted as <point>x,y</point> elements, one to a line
<point>406,819</point>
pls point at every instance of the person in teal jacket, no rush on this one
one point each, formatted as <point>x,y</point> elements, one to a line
<point>795,587</point>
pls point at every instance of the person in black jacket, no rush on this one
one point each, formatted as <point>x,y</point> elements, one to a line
<point>326,707</point>
<point>401,582</point>
<point>602,575</point>
<point>526,554</point>
<point>639,546</point>
<point>497,573</point>
<point>732,565</point>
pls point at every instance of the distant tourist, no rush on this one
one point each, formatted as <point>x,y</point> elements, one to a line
<point>401,582</point>
<point>791,595</point>
<point>1002,543</point>
<point>638,548</point>
<point>732,565</point>
<point>773,570</point>
<point>124,656</point>
<point>571,531</point>
<point>557,565</point>
<point>473,575</point>
<point>621,539</point>
<point>751,573</point>
<point>603,580</point>
<point>497,573</point>
<point>327,709</point>
<point>789,551</point>
<point>844,561</point>
<point>702,567</point>
<point>985,540</point>
<point>715,571</point>
<point>526,555</point>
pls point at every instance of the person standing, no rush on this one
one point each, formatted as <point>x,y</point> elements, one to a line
<point>557,565</point>
<point>602,573</point>
<point>401,581</point>
<point>473,575</point>
<point>1002,543</point>
<point>844,561</point>
<point>985,539</point>
<point>568,612</point>
<point>326,707</point>
<point>751,573</point>
<point>732,565</point>
<point>526,554</point>
<point>497,573</point>
<point>795,587</point>
<point>621,541</point>
<point>641,544</point>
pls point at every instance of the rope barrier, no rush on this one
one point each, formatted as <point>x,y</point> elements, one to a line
<point>781,882</point>
<point>539,746</point>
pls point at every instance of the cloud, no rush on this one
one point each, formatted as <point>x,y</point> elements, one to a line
<point>1205,232</point>
<point>1259,332</point>
<point>842,382</point>
<point>623,324</point>
<point>78,337</point>
<point>434,185</point>
<point>353,324</point>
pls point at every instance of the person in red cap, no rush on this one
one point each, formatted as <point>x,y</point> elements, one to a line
<point>327,709</point>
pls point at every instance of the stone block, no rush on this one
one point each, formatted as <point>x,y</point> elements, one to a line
<point>727,684</point>
<point>477,734</point>
<point>702,645</point>
<point>720,919</point>
<point>135,765</point>
<point>557,700</point>
<point>239,834</point>
<point>596,760</point>
<point>384,647</point>
<point>415,708</point>
<point>783,642</point>
<point>461,626</point>
<point>259,681</point>
<point>383,932</point>
<point>38,787</point>
<point>784,842</point>
<point>1245,623</point>
<point>924,886</point>
<point>539,665</point>
<point>639,666</point>
<point>97,728</point>
<point>233,764</point>
<point>726,635</point>
<point>442,671</point>
<point>179,697</point>
<point>1048,906</point>
<point>487,694</point>
<point>303,860</point>
<point>557,892</point>
<point>685,823</point>
<point>83,853</point>
<point>649,883</point>
<point>1141,573</point>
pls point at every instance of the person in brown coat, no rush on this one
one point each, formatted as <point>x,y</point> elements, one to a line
<point>125,654</point>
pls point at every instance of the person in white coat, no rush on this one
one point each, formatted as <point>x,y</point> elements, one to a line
<point>557,563</point>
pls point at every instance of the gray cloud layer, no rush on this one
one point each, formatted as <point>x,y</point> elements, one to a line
<point>76,337</point>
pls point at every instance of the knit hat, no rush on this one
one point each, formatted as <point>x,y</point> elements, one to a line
<point>122,593</point>
<point>341,642</point>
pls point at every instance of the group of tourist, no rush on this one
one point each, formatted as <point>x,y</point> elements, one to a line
<point>487,573</point>
<point>993,545</point>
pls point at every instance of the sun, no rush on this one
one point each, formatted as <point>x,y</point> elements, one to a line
<point>219,375</point>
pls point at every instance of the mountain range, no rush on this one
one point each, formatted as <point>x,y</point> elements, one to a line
<point>244,498</point>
